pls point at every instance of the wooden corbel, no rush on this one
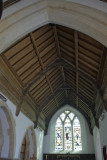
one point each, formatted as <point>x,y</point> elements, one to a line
<point>19,106</point>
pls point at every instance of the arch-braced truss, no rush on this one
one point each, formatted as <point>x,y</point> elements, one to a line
<point>53,66</point>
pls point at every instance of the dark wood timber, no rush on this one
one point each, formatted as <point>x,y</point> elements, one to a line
<point>1,8</point>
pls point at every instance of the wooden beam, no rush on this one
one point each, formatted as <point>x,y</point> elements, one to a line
<point>19,106</point>
<point>51,90</point>
<point>56,64</point>
<point>63,87</point>
<point>51,97</point>
<point>76,62</point>
<point>3,98</point>
<point>42,65</point>
<point>74,106</point>
<point>56,41</point>
<point>63,77</point>
<point>37,51</point>
<point>84,99</point>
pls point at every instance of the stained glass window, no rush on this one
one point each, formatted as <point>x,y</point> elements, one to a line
<point>68,132</point>
<point>71,116</point>
<point>67,112</point>
<point>59,135</point>
<point>67,135</point>
<point>77,135</point>
<point>63,116</point>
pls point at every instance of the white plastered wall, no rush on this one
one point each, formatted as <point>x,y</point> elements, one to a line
<point>97,143</point>
<point>22,123</point>
<point>39,139</point>
<point>87,138</point>
<point>103,130</point>
<point>100,136</point>
<point>87,16</point>
<point>5,127</point>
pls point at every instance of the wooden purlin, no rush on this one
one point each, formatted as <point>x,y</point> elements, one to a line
<point>64,64</point>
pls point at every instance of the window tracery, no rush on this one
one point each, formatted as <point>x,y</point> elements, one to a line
<point>68,132</point>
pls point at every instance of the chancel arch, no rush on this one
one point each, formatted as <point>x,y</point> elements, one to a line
<point>7,132</point>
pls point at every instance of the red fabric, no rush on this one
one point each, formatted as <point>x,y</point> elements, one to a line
<point>104,153</point>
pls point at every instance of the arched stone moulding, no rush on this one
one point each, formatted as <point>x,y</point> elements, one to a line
<point>28,141</point>
<point>85,19</point>
<point>11,130</point>
<point>87,141</point>
<point>1,137</point>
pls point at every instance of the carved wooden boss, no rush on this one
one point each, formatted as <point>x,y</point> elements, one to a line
<point>1,8</point>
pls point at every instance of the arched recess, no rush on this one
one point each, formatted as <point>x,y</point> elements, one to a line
<point>28,150</point>
<point>7,132</point>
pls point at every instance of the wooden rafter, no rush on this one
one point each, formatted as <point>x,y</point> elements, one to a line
<point>59,89</point>
<point>63,77</point>
<point>76,62</point>
<point>56,41</point>
<point>73,105</point>
<point>55,65</point>
<point>59,55</point>
<point>42,66</point>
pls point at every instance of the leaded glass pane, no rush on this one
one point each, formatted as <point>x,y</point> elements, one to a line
<point>58,123</point>
<point>67,135</point>
<point>71,116</point>
<point>77,135</point>
<point>59,135</point>
<point>63,116</point>
<point>67,112</point>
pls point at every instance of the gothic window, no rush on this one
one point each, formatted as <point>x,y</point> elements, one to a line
<point>59,135</point>
<point>68,132</point>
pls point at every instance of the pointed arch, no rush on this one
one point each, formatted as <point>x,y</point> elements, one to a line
<point>68,132</point>
<point>9,138</point>
<point>28,148</point>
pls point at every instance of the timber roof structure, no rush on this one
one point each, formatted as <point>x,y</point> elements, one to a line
<point>54,66</point>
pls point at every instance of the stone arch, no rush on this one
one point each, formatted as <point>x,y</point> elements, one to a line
<point>29,140</point>
<point>73,15</point>
<point>1,137</point>
<point>86,137</point>
<point>10,130</point>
